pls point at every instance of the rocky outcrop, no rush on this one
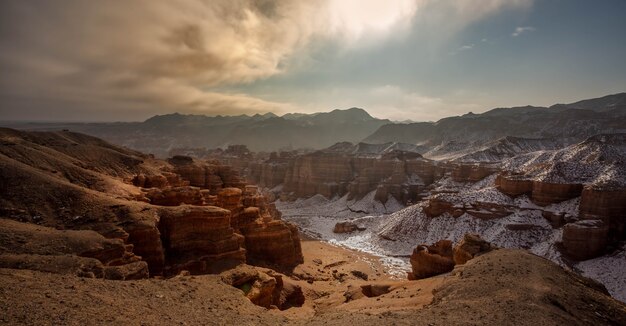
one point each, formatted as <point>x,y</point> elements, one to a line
<point>483,210</point>
<point>199,239</point>
<point>205,239</point>
<point>205,175</point>
<point>545,193</point>
<point>427,261</point>
<point>466,172</point>
<point>265,288</point>
<point>273,243</point>
<point>83,253</point>
<point>347,227</point>
<point>175,196</point>
<point>230,199</point>
<point>471,246</point>
<point>334,172</point>
<point>327,174</point>
<point>437,207</point>
<point>513,185</point>
<point>541,193</point>
<point>608,205</point>
<point>585,239</point>
<point>146,240</point>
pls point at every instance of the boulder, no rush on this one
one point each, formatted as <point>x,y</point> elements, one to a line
<point>347,227</point>
<point>471,246</point>
<point>427,261</point>
<point>265,288</point>
<point>436,207</point>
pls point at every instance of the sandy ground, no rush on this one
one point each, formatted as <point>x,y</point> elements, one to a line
<point>329,274</point>
<point>36,298</point>
<point>502,287</point>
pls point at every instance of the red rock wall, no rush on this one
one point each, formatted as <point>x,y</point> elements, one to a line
<point>513,186</point>
<point>585,239</point>
<point>608,205</point>
<point>332,174</point>
<point>465,172</point>
<point>545,193</point>
<point>199,239</point>
<point>275,243</point>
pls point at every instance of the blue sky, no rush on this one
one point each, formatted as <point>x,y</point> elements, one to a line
<point>398,59</point>
<point>565,50</point>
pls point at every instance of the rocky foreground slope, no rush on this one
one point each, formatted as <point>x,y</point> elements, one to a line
<point>498,288</point>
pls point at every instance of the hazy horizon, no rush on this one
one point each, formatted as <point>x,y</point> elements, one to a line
<point>419,60</point>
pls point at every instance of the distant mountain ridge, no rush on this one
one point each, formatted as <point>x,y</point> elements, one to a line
<point>260,132</point>
<point>451,138</point>
<point>561,123</point>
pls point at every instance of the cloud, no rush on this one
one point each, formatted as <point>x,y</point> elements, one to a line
<point>74,56</point>
<point>521,30</point>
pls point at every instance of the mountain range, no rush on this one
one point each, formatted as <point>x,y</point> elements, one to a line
<point>562,124</point>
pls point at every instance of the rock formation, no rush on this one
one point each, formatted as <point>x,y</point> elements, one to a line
<point>347,227</point>
<point>607,204</point>
<point>513,185</point>
<point>471,246</point>
<point>83,253</point>
<point>152,215</point>
<point>200,240</point>
<point>465,172</point>
<point>400,174</point>
<point>545,193</point>
<point>273,243</point>
<point>264,288</point>
<point>585,239</point>
<point>427,261</point>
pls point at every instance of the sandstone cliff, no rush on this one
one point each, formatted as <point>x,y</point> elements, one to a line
<point>163,213</point>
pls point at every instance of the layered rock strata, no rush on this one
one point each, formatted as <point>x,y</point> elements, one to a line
<point>83,253</point>
<point>200,240</point>
<point>585,239</point>
<point>399,174</point>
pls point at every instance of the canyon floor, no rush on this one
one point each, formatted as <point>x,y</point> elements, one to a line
<point>502,287</point>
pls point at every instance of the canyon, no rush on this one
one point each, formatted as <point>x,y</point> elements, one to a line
<point>171,215</point>
<point>353,230</point>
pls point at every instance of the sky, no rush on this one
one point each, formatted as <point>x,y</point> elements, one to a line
<point>419,60</point>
